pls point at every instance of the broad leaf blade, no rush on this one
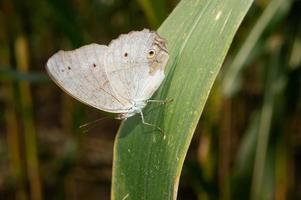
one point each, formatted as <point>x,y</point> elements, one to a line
<point>147,164</point>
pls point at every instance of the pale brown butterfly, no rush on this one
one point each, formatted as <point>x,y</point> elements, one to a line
<point>118,78</point>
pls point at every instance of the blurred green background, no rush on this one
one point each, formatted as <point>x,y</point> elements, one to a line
<point>248,141</point>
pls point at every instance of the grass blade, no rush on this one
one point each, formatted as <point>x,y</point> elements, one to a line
<point>13,135</point>
<point>154,11</point>
<point>30,137</point>
<point>231,76</point>
<point>147,164</point>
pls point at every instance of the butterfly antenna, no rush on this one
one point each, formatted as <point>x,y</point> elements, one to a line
<point>91,123</point>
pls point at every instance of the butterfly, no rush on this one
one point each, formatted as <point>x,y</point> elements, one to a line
<point>119,78</point>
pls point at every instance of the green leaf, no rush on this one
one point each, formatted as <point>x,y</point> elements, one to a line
<point>147,164</point>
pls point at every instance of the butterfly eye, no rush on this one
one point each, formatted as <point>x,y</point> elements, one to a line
<point>151,53</point>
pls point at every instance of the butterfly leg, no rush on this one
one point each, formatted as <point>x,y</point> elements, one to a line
<point>148,124</point>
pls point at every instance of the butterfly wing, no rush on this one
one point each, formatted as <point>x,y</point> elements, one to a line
<point>81,73</point>
<point>135,64</point>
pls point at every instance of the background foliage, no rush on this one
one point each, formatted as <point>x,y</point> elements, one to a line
<point>248,141</point>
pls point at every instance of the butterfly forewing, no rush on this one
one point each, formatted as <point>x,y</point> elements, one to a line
<point>81,73</point>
